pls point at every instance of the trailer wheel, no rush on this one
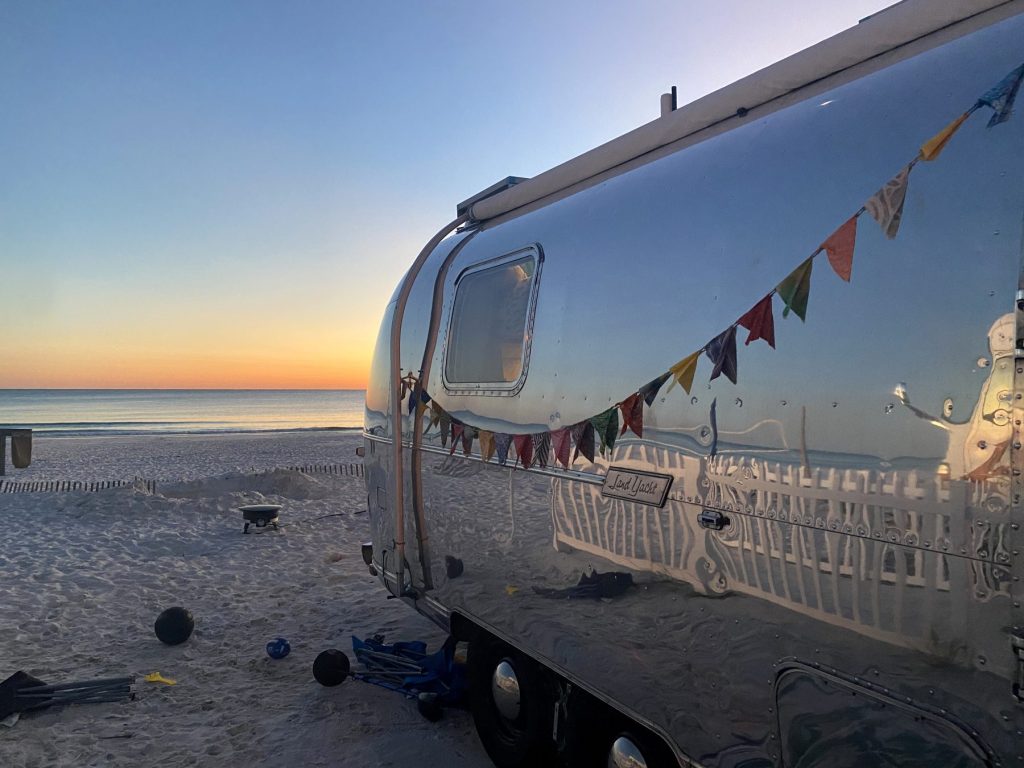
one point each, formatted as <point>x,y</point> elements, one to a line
<point>597,736</point>
<point>510,703</point>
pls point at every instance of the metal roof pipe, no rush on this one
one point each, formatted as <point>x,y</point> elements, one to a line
<point>396,394</point>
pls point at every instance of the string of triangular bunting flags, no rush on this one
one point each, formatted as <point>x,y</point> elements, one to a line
<point>599,433</point>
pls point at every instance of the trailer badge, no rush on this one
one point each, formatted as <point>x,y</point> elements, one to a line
<point>634,485</point>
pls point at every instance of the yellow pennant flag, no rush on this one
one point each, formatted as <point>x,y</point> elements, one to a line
<point>486,444</point>
<point>683,371</point>
<point>931,148</point>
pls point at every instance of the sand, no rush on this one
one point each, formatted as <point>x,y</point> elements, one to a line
<point>83,576</point>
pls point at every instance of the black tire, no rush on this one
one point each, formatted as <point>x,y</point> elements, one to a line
<point>591,727</point>
<point>526,741</point>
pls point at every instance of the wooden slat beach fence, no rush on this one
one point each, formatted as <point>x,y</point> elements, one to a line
<point>354,470</point>
<point>66,486</point>
<point>62,486</point>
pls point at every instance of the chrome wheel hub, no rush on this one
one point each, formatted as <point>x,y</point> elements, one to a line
<point>625,754</point>
<point>505,690</point>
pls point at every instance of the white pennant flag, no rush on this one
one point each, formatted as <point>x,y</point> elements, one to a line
<point>887,204</point>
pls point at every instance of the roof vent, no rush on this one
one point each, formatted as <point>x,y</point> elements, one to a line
<point>501,186</point>
<point>669,102</point>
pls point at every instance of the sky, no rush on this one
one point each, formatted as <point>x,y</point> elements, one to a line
<point>225,194</point>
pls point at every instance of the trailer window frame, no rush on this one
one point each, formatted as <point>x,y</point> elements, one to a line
<point>508,388</point>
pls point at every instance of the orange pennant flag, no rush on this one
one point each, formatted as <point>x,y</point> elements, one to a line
<point>683,371</point>
<point>931,148</point>
<point>839,248</point>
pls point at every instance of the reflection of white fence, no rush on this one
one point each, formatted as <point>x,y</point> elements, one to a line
<point>888,576</point>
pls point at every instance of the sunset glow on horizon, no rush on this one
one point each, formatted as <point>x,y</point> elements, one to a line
<point>225,196</point>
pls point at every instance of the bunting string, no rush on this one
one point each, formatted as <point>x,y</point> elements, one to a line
<point>598,434</point>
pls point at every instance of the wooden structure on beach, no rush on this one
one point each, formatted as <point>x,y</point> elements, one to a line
<point>21,447</point>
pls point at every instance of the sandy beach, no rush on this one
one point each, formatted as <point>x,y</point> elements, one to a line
<point>84,575</point>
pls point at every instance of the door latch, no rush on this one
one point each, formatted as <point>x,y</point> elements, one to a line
<point>712,519</point>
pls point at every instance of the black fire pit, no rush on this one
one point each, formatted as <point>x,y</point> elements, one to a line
<point>260,515</point>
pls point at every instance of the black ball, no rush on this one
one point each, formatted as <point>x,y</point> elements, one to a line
<point>453,566</point>
<point>331,667</point>
<point>174,626</point>
<point>429,706</point>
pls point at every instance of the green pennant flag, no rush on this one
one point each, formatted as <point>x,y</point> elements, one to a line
<point>606,425</point>
<point>796,289</point>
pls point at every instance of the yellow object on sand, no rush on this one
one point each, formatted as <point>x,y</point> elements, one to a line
<point>156,677</point>
<point>511,590</point>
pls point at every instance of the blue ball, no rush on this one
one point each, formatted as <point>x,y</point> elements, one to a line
<point>278,648</point>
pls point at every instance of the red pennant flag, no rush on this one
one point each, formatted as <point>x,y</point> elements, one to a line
<point>633,414</point>
<point>524,449</point>
<point>760,322</point>
<point>561,441</point>
<point>457,430</point>
<point>839,247</point>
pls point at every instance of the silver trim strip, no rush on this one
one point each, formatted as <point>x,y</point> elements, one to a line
<point>573,474</point>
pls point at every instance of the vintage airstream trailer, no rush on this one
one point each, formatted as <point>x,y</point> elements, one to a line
<point>817,565</point>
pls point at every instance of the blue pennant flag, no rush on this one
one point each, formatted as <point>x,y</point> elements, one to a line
<point>502,442</point>
<point>1001,97</point>
<point>721,350</point>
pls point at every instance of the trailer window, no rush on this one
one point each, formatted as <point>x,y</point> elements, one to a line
<point>491,324</point>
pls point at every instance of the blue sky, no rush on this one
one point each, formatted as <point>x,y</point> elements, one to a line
<point>194,192</point>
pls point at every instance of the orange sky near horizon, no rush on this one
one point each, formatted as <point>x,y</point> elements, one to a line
<point>189,370</point>
<point>267,333</point>
<point>228,344</point>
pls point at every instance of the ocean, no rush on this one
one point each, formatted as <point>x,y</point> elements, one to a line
<point>90,412</point>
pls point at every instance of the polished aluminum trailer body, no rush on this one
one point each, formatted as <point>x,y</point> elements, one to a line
<point>861,604</point>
